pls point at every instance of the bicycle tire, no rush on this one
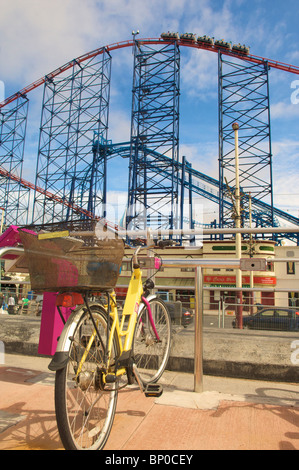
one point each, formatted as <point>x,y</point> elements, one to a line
<point>84,411</point>
<point>150,355</point>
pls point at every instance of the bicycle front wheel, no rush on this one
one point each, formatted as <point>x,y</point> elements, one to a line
<point>85,409</point>
<point>152,341</point>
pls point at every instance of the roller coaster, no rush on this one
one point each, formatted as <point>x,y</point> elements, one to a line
<point>74,152</point>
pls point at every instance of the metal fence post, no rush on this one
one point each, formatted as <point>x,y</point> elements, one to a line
<point>198,334</point>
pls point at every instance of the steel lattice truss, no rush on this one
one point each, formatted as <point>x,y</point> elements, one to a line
<point>244,98</point>
<point>73,149</point>
<point>14,198</point>
<point>75,107</point>
<point>155,124</point>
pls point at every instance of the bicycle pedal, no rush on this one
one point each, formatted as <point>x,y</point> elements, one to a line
<point>153,390</point>
<point>110,378</point>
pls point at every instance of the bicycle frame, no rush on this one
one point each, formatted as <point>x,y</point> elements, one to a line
<point>97,347</point>
<point>134,302</point>
<point>124,334</point>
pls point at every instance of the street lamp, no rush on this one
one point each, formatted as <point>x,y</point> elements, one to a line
<point>239,318</point>
<point>135,33</point>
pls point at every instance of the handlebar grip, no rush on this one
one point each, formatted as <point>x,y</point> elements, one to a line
<point>135,258</point>
<point>164,243</point>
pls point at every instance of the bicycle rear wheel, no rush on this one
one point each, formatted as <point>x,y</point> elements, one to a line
<point>151,353</point>
<point>85,409</point>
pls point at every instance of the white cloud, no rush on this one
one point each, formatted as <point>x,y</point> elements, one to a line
<point>203,158</point>
<point>39,36</point>
<point>44,36</point>
<point>286,148</point>
<point>199,74</point>
<point>293,56</point>
<point>286,194</point>
<point>285,175</point>
<point>119,126</point>
<point>116,205</point>
<point>284,110</point>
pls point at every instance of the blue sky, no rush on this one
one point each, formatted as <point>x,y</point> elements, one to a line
<point>37,36</point>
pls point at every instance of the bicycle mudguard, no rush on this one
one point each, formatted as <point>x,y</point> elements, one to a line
<point>142,304</point>
<point>146,303</point>
<point>61,355</point>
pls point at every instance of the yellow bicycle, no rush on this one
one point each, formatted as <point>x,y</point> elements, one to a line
<point>99,352</point>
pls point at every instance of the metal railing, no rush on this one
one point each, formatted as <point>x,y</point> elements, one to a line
<point>198,264</point>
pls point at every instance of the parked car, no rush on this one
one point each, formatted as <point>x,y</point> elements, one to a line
<point>272,318</point>
<point>179,314</point>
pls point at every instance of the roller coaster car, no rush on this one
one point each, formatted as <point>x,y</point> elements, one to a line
<point>205,40</point>
<point>170,35</point>
<point>240,49</point>
<point>222,43</point>
<point>188,37</point>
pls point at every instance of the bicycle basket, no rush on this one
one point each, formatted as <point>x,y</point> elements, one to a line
<point>61,264</point>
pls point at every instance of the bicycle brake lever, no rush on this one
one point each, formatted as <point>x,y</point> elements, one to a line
<point>135,258</point>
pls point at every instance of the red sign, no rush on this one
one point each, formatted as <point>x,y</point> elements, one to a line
<point>264,280</point>
<point>220,279</point>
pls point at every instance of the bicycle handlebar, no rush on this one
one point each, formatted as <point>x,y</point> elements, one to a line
<point>163,243</point>
<point>149,262</point>
<point>135,257</point>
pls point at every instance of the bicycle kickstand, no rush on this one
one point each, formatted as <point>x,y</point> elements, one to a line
<point>149,390</point>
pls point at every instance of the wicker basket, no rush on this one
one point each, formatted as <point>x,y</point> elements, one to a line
<point>66,264</point>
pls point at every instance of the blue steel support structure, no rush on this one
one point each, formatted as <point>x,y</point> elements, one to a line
<point>244,98</point>
<point>75,108</point>
<point>200,184</point>
<point>152,199</point>
<point>14,197</point>
<point>73,147</point>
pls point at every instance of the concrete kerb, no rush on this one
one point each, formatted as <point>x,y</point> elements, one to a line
<point>257,355</point>
<point>226,353</point>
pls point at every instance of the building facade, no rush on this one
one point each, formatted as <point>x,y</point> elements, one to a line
<point>177,283</point>
<point>287,275</point>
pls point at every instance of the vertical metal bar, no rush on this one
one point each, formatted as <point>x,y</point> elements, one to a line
<point>220,143</point>
<point>267,68</point>
<point>198,334</point>
<point>182,195</point>
<point>235,127</point>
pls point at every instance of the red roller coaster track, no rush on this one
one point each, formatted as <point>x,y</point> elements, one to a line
<point>119,45</point>
<point>48,194</point>
<point>130,43</point>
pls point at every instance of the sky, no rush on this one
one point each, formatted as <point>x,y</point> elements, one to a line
<point>37,36</point>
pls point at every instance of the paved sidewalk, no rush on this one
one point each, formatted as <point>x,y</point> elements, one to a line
<point>230,414</point>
